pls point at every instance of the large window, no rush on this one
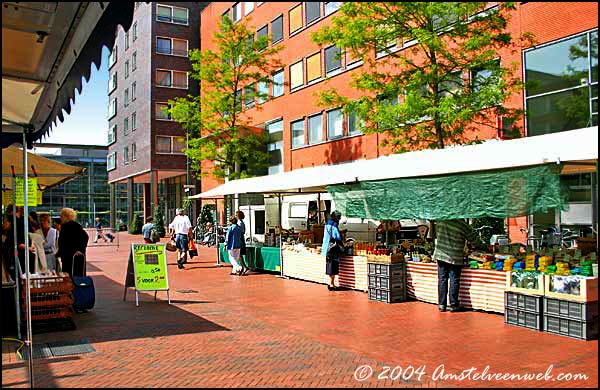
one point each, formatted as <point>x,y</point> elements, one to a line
<point>297,75</point>
<point>313,67</point>
<point>278,83</point>
<point>355,124</point>
<point>332,6</point>
<point>171,78</point>
<point>298,133</point>
<point>111,161</point>
<point>333,60</point>
<point>312,10</point>
<point>263,33</point>
<point>112,134</point>
<point>315,129</point>
<point>248,7</point>
<point>277,29</point>
<point>170,14</point>
<point>562,85</point>
<point>166,144</point>
<point>335,124</point>
<point>112,85</point>
<point>112,108</point>
<point>296,19</point>
<point>163,144</point>
<point>263,92</point>
<point>172,46</point>
<point>162,111</point>
<point>275,146</point>
<point>249,95</point>
<point>237,12</point>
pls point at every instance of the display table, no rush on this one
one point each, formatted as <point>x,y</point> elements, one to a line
<point>302,263</point>
<point>257,258</point>
<point>479,289</point>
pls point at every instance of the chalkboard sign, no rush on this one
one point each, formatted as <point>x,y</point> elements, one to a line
<point>147,269</point>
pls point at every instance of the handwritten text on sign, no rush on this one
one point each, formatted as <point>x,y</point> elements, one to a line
<point>150,264</point>
<point>32,191</point>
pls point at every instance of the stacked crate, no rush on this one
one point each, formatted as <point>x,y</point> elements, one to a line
<point>573,319</point>
<point>387,282</point>
<point>51,298</point>
<point>523,310</point>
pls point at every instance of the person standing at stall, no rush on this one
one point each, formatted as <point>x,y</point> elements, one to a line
<point>72,243</point>
<point>451,237</point>
<point>240,217</point>
<point>332,248</point>
<point>50,237</point>
<point>181,228</point>
<point>233,244</point>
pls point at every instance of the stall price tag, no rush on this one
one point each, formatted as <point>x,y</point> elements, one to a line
<point>32,191</point>
<point>150,267</point>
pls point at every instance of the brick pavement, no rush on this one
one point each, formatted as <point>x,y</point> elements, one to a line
<point>264,331</point>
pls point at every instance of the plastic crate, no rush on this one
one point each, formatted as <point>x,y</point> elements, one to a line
<point>386,270</point>
<point>390,284</point>
<point>582,330</point>
<point>380,295</point>
<point>523,302</point>
<point>52,284</point>
<point>52,313</point>
<point>51,300</point>
<point>570,310</point>
<point>522,318</point>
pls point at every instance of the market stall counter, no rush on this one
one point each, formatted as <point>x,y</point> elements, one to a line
<point>259,258</point>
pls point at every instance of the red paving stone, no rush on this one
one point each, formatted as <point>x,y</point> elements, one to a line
<point>265,331</point>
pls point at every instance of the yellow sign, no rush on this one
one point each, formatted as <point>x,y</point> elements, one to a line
<point>32,191</point>
<point>150,267</point>
<point>7,197</point>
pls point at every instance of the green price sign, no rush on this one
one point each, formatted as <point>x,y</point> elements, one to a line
<point>32,191</point>
<point>150,267</point>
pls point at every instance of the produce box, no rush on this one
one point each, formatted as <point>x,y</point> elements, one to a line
<point>385,259</point>
<point>571,288</point>
<point>525,282</point>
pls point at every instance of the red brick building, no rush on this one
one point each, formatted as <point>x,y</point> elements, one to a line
<point>305,134</point>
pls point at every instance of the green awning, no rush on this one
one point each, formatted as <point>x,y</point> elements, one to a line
<point>499,193</point>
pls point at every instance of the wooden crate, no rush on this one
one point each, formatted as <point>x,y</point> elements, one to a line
<point>588,291</point>
<point>385,259</point>
<point>527,291</point>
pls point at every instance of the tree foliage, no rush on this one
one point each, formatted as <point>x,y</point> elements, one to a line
<point>219,131</point>
<point>159,220</point>
<point>431,73</point>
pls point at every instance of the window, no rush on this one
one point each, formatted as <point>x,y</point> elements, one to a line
<point>135,31</point>
<point>180,79</point>
<point>126,68</point>
<point>275,146</point>
<point>315,129</point>
<point>332,6</point>
<point>112,85</point>
<point>134,61</point>
<point>112,108</point>
<point>248,7</point>
<point>170,14</point>
<point>127,40</point>
<point>562,85</point>
<point>133,152</point>
<point>163,144</point>
<point>355,124</point>
<point>297,133</point>
<point>297,75</point>
<point>313,11</point>
<point>298,210</point>
<point>277,30</point>
<point>171,78</point>
<point>262,37</point>
<point>278,81</point>
<point>335,124</point>
<point>351,60</point>
<point>126,102</point>
<point>333,59</point>
<point>249,94</point>
<point>179,145</point>
<point>453,85</point>
<point>388,42</point>
<point>237,12</point>
<point>133,90</point>
<point>296,19</point>
<point>112,59</point>
<point>112,134</point>
<point>263,91</point>
<point>126,154</point>
<point>225,15</point>
<point>110,161</point>
<point>126,126</point>
<point>313,67</point>
<point>172,46</point>
<point>163,45</point>
<point>133,121</point>
<point>161,111</point>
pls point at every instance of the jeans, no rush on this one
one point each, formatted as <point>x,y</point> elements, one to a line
<point>446,270</point>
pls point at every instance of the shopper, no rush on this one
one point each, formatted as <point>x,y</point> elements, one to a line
<point>50,237</point>
<point>72,243</point>
<point>240,217</point>
<point>332,252</point>
<point>451,237</point>
<point>147,229</point>
<point>233,243</point>
<point>181,230</point>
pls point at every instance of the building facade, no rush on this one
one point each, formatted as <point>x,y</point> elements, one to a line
<point>305,134</point>
<point>89,194</point>
<point>148,67</point>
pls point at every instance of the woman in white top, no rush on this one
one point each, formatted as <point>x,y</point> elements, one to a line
<point>50,238</point>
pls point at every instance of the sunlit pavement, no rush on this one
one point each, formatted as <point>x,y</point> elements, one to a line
<point>264,331</point>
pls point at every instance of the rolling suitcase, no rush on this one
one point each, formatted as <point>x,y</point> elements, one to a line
<point>83,290</point>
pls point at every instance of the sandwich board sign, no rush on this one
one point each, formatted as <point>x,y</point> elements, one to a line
<point>147,270</point>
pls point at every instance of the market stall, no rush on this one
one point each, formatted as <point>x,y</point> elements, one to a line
<point>258,258</point>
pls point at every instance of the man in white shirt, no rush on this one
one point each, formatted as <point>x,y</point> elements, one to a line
<point>181,228</point>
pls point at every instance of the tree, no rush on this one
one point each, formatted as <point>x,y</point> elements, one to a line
<point>219,131</point>
<point>496,226</point>
<point>135,225</point>
<point>207,214</point>
<point>418,56</point>
<point>159,220</point>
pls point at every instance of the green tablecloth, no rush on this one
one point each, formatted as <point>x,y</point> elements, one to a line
<point>257,258</point>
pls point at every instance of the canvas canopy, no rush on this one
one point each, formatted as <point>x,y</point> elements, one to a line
<point>573,151</point>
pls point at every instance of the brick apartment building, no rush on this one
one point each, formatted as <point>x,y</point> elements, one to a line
<point>149,66</point>
<point>304,134</point>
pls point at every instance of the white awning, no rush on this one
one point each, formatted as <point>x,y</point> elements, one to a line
<point>577,150</point>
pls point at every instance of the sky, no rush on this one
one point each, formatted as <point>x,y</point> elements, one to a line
<point>87,124</point>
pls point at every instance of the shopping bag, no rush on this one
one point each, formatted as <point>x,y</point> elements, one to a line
<point>193,251</point>
<point>171,246</point>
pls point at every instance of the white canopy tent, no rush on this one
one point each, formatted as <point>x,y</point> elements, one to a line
<point>577,150</point>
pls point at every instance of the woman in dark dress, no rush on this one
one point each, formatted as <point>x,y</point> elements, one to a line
<point>72,242</point>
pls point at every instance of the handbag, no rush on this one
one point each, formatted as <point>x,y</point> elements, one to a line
<point>335,248</point>
<point>193,251</point>
<point>171,245</point>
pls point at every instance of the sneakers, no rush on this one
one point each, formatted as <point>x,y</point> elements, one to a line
<point>442,308</point>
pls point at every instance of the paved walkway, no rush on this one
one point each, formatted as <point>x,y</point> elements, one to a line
<point>264,331</point>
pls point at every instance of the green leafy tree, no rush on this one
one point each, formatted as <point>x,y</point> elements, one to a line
<point>219,130</point>
<point>207,214</point>
<point>416,85</point>
<point>159,220</point>
<point>135,226</point>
